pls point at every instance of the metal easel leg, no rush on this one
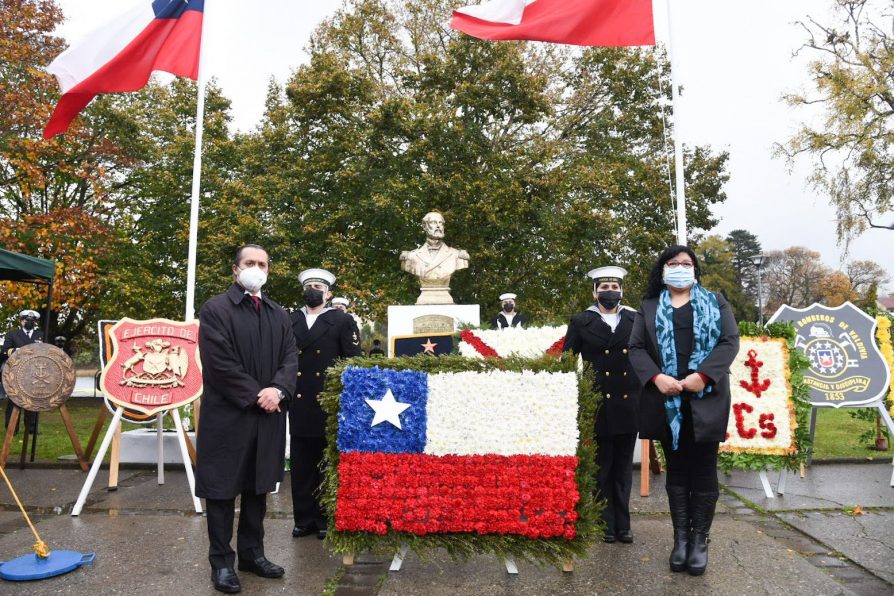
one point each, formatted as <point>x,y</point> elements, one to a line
<point>160,442</point>
<point>812,433</point>
<point>780,486</point>
<point>187,463</point>
<point>765,482</point>
<point>97,463</point>
<point>398,559</point>
<point>886,418</point>
<point>511,567</point>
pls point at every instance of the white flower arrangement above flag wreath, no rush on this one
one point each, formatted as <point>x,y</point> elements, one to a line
<point>529,342</point>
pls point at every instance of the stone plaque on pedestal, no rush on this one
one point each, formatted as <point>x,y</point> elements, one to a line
<point>433,324</point>
<point>431,318</point>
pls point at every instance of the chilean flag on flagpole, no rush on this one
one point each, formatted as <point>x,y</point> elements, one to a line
<point>162,35</point>
<point>577,22</point>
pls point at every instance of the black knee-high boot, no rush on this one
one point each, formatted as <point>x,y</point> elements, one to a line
<point>703,504</point>
<point>678,498</point>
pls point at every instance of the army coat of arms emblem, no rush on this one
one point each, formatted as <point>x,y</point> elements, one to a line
<point>155,365</point>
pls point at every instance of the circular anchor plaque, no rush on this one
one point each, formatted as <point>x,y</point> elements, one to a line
<point>39,377</point>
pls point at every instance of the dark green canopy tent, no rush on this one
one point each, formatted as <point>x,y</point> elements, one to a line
<point>22,268</point>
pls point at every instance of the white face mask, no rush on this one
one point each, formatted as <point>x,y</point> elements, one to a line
<point>679,277</point>
<point>252,279</point>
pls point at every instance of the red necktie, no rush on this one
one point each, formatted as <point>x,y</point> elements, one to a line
<point>257,301</point>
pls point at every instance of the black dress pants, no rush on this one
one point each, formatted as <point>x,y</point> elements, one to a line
<point>29,417</point>
<point>249,535</point>
<point>614,456</point>
<point>693,465</point>
<point>306,476</point>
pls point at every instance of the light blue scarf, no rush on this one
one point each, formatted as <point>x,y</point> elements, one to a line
<point>706,329</point>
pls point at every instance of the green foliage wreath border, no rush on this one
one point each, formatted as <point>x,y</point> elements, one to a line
<point>553,551</point>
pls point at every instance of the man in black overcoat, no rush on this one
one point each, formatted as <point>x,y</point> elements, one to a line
<point>323,335</point>
<point>28,333</point>
<point>249,363</point>
<point>600,335</point>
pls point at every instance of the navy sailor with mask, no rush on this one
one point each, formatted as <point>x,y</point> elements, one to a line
<point>600,336</point>
<point>28,333</point>
<point>323,335</point>
<point>508,315</point>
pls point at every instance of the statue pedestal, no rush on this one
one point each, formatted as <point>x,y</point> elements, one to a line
<point>433,295</point>
<point>431,318</point>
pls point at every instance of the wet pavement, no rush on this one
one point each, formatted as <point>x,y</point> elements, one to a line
<point>148,540</point>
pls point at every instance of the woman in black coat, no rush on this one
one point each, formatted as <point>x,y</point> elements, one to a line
<point>683,341</point>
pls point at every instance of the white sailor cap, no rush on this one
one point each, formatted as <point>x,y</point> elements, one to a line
<point>507,296</point>
<point>610,273</point>
<point>321,275</point>
<point>29,314</point>
<point>341,300</point>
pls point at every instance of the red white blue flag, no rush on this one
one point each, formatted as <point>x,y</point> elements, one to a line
<point>487,452</point>
<point>163,35</point>
<point>578,22</point>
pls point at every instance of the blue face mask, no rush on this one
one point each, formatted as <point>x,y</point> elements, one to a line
<point>679,277</point>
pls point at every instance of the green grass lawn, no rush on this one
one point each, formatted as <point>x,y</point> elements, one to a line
<point>836,433</point>
<point>53,440</point>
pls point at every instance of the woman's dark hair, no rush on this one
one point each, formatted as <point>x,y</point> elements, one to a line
<point>656,275</point>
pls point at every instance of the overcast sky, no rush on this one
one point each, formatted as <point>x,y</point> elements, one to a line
<point>734,60</point>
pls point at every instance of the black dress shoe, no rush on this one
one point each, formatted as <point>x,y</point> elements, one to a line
<point>608,537</point>
<point>225,580</point>
<point>299,531</point>
<point>261,567</point>
<point>625,536</point>
<point>321,534</point>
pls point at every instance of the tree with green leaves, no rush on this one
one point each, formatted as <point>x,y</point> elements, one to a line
<point>852,147</point>
<point>716,258</point>
<point>745,245</point>
<point>546,161</point>
<point>153,202</point>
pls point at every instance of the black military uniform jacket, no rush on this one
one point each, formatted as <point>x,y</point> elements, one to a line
<point>606,352</point>
<point>332,336</point>
<point>498,321</point>
<point>18,338</point>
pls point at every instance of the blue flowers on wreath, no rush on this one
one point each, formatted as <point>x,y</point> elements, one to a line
<point>355,430</point>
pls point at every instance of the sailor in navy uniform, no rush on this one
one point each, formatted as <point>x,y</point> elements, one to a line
<point>508,316</point>
<point>344,305</point>
<point>600,336</point>
<point>28,333</point>
<point>323,335</point>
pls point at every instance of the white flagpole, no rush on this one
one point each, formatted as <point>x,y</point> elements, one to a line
<point>196,181</point>
<point>678,142</point>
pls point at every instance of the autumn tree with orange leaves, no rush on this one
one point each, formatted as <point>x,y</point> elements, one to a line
<point>108,200</point>
<point>55,196</point>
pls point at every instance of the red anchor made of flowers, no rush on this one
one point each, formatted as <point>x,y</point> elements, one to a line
<point>755,386</point>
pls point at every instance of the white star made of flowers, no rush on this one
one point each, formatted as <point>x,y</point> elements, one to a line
<point>387,409</point>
